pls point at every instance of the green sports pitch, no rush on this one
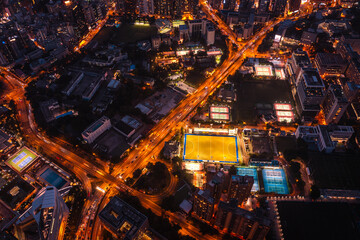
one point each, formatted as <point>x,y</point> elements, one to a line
<point>211,148</point>
<point>22,159</point>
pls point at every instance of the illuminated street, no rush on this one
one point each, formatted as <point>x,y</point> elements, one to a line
<point>283,171</point>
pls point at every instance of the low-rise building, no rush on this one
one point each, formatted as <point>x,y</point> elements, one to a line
<point>127,126</point>
<point>227,93</point>
<point>326,138</point>
<point>105,58</point>
<point>309,37</point>
<point>330,64</point>
<point>59,53</point>
<point>96,129</point>
<point>52,110</point>
<point>156,41</point>
<point>75,80</point>
<point>333,26</point>
<point>307,133</point>
<point>171,149</point>
<point>124,220</point>
<point>144,108</point>
<point>5,142</point>
<point>260,144</point>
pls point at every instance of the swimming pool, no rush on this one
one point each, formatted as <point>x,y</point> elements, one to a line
<point>53,178</point>
<point>242,171</point>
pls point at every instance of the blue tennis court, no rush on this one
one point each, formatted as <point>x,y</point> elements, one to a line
<point>243,171</point>
<point>275,181</point>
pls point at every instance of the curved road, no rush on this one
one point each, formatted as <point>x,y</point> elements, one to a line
<point>151,146</point>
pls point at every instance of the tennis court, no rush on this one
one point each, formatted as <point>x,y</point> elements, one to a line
<point>264,70</point>
<point>252,172</point>
<point>211,148</point>
<point>275,181</point>
<point>22,159</point>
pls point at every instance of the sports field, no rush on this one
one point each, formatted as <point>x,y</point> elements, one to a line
<point>275,181</point>
<point>22,159</point>
<point>211,148</point>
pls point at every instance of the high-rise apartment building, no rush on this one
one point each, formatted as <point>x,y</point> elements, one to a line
<point>330,64</point>
<point>241,222</point>
<point>50,213</point>
<point>146,7</point>
<point>298,60</point>
<point>216,186</point>
<point>240,187</point>
<point>310,92</point>
<point>278,7</point>
<point>203,205</point>
<point>125,221</point>
<point>216,4</point>
<point>164,7</point>
<point>335,104</point>
<point>229,5</point>
<point>293,5</point>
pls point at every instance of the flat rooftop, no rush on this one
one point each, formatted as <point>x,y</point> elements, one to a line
<point>122,217</point>
<point>15,191</point>
<point>330,59</point>
<point>301,58</point>
<point>312,78</point>
<point>95,125</point>
<point>335,171</point>
<point>338,93</point>
<point>319,220</point>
